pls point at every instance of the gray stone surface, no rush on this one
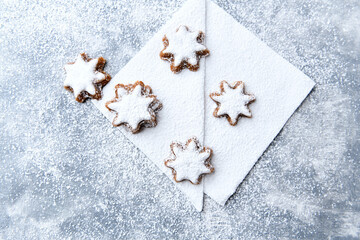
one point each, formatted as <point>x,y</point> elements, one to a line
<point>66,173</point>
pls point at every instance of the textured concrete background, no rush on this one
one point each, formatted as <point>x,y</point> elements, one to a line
<point>65,172</point>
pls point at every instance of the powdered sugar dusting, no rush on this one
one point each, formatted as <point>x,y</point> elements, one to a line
<point>60,178</point>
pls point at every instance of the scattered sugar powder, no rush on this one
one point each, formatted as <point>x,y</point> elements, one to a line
<point>66,173</point>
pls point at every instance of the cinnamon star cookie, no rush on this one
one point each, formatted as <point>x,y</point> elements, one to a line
<point>189,161</point>
<point>85,77</point>
<point>232,102</point>
<point>183,48</point>
<point>135,106</point>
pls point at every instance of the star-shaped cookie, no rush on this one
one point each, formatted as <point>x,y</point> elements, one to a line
<point>85,77</point>
<point>183,48</point>
<point>190,161</point>
<point>232,102</point>
<point>135,106</point>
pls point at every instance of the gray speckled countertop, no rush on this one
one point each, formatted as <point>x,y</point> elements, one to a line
<point>66,173</point>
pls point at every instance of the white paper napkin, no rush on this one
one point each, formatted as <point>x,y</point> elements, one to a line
<point>182,96</point>
<point>279,88</point>
<point>235,55</point>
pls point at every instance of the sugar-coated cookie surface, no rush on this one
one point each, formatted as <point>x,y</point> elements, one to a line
<point>135,106</point>
<point>232,102</point>
<point>183,48</point>
<point>189,161</point>
<point>85,77</point>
